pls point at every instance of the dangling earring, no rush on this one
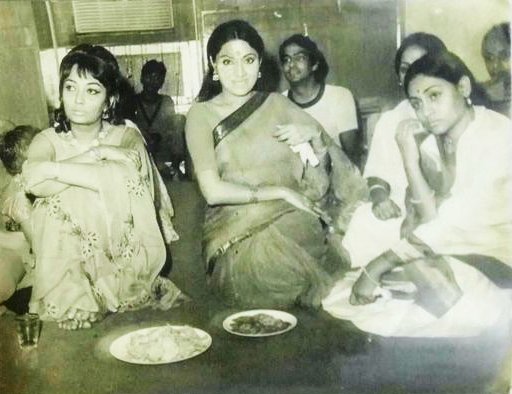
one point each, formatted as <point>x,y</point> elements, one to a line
<point>259,74</point>
<point>104,115</point>
<point>469,102</point>
<point>215,76</point>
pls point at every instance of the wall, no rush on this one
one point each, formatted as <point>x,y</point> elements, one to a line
<point>461,24</point>
<point>22,98</point>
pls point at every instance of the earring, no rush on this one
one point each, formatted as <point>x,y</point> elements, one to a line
<point>259,74</point>
<point>215,76</point>
<point>469,102</point>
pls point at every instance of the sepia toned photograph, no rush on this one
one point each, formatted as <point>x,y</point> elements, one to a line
<point>255,197</point>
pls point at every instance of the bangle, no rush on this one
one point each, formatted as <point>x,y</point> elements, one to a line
<point>253,197</point>
<point>369,277</point>
<point>414,201</point>
<point>95,153</point>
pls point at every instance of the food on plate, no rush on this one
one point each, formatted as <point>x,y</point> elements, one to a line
<point>166,343</point>
<point>260,323</point>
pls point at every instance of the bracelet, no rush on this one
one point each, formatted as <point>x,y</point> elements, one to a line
<point>414,201</point>
<point>253,197</point>
<point>369,277</point>
<point>95,153</point>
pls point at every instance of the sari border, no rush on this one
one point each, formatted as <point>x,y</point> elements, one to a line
<point>236,118</point>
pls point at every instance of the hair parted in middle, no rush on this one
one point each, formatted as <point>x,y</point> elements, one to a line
<point>447,66</point>
<point>236,30</point>
<point>314,54</point>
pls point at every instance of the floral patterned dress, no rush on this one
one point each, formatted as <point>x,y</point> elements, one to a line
<point>98,251</point>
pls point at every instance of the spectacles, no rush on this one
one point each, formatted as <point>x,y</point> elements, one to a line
<point>297,58</point>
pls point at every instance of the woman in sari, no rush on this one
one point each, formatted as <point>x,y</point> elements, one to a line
<point>376,225</point>
<point>96,236</point>
<point>262,176</point>
<point>460,183</point>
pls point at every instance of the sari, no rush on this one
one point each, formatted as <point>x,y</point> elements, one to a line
<point>99,250</point>
<point>474,218</point>
<point>264,254</point>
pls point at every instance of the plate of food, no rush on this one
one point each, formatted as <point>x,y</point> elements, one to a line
<point>160,345</point>
<point>259,323</point>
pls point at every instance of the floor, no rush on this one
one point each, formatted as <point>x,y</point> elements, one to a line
<point>321,355</point>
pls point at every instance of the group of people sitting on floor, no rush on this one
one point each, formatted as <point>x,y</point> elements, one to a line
<point>290,219</point>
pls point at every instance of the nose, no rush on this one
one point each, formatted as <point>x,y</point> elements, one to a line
<point>240,69</point>
<point>79,96</point>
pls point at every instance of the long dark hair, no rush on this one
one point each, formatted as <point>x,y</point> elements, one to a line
<point>236,30</point>
<point>448,66</point>
<point>315,55</point>
<point>100,64</point>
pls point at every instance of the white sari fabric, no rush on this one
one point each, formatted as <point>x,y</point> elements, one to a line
<point>475,218</point>
<point>367,236</point>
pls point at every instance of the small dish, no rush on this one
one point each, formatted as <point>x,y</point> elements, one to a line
<point>259,323</point>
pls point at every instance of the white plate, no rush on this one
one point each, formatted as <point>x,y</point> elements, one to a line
<point>228,322</point>
<point>160,345</point>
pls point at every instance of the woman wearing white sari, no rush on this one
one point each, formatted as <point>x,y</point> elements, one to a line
<point>460,184</point>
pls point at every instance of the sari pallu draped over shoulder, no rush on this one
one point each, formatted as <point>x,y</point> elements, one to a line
<point>248,154</point>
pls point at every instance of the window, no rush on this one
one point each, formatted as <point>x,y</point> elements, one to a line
<point>95,16</point>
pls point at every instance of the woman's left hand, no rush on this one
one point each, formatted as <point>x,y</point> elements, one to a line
<point>363,291</point>
<point>294,134</point>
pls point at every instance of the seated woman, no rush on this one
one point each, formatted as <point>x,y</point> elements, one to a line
<point>461,187</point>
<point>263,241</point>
<point>376,225</point>
<point>95,231</point>
<point>16,261</point>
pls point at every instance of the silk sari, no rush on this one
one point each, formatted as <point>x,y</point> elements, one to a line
<point>266,253</point>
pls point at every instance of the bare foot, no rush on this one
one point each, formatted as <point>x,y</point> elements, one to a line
<point>78,319</point>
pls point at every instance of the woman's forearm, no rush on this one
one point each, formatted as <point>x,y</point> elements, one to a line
<point>223,193</point>
<point>422,196</point>
<point>61,175</point>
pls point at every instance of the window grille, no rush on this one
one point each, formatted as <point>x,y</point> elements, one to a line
<point>96,16</point>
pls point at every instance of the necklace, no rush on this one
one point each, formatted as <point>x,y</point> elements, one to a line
<point>72,140</point>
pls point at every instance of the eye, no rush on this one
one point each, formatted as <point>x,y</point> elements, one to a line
<point>93,91</point>
<point>69,87</point>
<point>434,96</point>
<point>226,62</point>
<point>250,59</point>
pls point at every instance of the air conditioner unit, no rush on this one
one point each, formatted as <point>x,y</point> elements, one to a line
<point>98,16</point>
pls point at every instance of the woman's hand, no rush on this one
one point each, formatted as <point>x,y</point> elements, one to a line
<point>386,209</point>
<point>405,140</point>
<point>293,134</point>
<point>363,290</point>
<point>302,202</point>
<point>129,156</point>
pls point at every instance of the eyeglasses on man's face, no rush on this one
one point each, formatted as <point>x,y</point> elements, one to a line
<point>297,58</point>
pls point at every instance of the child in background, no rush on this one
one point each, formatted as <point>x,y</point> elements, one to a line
<point>16,260</point>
